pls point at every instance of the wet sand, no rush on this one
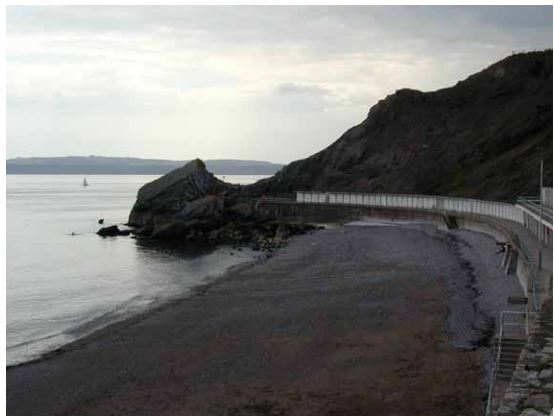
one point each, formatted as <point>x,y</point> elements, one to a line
<point>351,320</point>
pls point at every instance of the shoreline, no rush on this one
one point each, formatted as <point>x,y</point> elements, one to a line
<point>132,312</point>
<point>288,324</point>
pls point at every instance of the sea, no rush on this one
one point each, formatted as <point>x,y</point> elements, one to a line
<point>64,281</point>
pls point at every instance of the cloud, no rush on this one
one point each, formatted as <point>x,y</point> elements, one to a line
<point>303,89</point>
<point>234,81</point>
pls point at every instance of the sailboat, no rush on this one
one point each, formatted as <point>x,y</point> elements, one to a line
<point>85,183</point>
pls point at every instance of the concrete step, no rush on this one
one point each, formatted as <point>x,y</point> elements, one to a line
<point>511,359</point>
<point>513,339</point>
<point>541,334</point>
<point>509,353</point>
<point>511,346</point>
<point>517,300</point>
<point>508,361</point>
<point>507,373</point>
<point>510,350</point>
<point>507,366</point>
<point>544,330</point>
<point>513,342</point>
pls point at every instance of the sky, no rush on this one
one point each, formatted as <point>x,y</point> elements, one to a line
<point>253,82</point>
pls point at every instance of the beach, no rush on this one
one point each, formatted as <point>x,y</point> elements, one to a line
<point>350,320</point>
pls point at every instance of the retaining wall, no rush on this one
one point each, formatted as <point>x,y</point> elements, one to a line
<point>293,211</point>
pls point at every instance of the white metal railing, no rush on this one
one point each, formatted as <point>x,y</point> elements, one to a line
<point>546,197</point>
<point>504,326</point>
<point>420,202</point>
<point>537,210</point>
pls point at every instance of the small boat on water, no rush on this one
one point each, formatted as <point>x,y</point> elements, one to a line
<point>85,183</point>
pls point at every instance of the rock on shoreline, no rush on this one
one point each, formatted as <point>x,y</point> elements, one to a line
<point>190,203</point>
<point>112,231</point>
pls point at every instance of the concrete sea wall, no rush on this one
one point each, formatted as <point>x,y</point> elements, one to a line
<point>515,261</point>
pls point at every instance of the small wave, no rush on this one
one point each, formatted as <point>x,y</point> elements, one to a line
<point>119,312</point>
<point>31,341</point>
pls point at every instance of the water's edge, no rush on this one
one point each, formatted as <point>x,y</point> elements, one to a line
<point>143,312</point>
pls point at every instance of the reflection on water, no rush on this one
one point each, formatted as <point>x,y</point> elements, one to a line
<point>62,285</point>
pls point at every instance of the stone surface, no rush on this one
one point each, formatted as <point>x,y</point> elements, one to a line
<point>546,375</point>
<point>512,396</point>
<point>545,359</point>
<point>507,410</point>
<point>531,412</point>
<point>540,401</point>
<point>532,375</point>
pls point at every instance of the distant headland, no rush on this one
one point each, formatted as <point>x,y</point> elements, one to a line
<point>99,165</point>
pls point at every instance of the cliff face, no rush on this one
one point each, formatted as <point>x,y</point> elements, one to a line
<point>481,138</point>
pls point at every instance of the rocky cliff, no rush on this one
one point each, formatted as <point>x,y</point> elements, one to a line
<point>481,138</point>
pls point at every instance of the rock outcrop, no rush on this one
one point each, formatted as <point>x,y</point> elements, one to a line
<point>190,203</point>
<point>482,138</point>
<point>182,194</point>
<point>112,231</point>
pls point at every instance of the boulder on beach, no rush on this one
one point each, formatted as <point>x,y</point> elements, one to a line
<point>112,230</point>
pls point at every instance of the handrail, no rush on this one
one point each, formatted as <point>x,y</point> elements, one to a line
<point>502,210</point>
<point>401,194</point>
<point>494,372</point>
<point>492,385</point>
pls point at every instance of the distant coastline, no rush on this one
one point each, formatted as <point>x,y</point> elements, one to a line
<point>99,165</point>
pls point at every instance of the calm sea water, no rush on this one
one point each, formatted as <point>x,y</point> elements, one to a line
<point>62,286</point>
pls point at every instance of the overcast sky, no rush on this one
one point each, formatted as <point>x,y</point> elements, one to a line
<point>264,83</point>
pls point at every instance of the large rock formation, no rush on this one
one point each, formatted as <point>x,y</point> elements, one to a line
<point>191,203</point>
<point>179,200</point>
<point>482,138</point>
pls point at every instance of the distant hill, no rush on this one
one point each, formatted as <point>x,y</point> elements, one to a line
<point>482,138</point>
<point>98,165</point>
